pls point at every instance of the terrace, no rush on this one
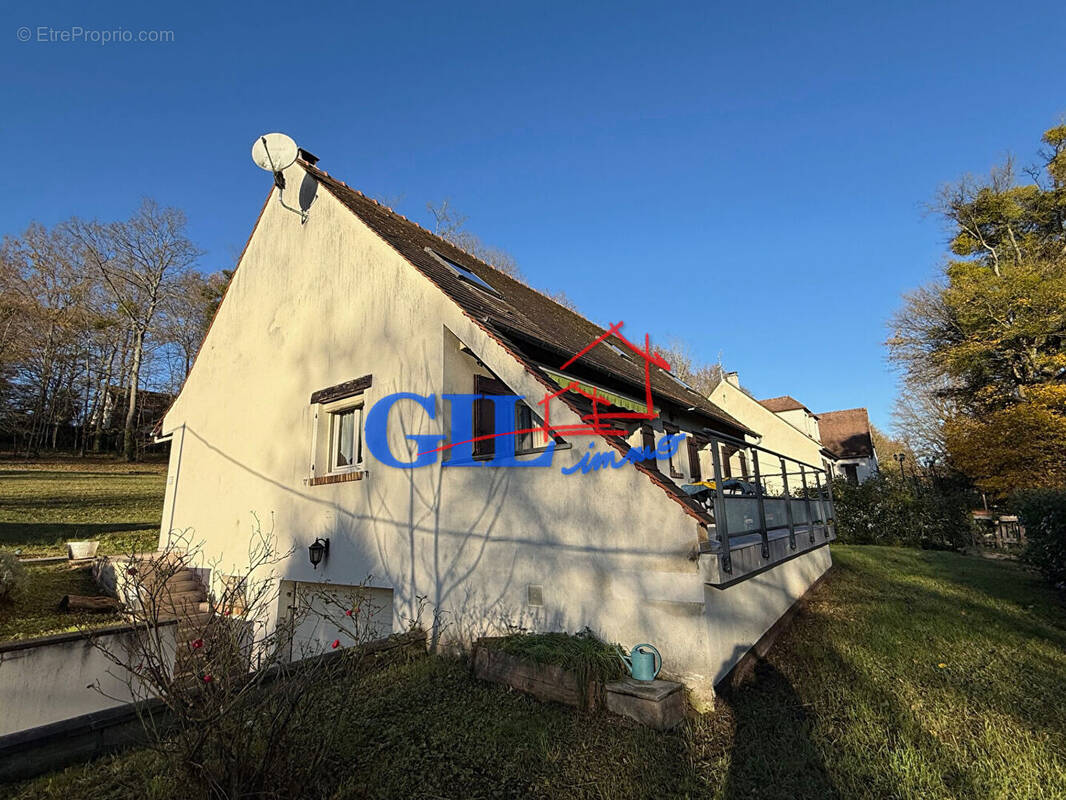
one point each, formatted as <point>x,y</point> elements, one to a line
<point>766,508</point>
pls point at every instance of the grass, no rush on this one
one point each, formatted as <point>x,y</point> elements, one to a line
<point>912,674</point>
<point>35,614</point>
<point>44,504</point>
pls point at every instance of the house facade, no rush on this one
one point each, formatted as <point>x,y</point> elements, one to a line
<point>348,346</point>
<point>784,424</point>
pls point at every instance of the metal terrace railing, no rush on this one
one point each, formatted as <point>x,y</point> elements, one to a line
<point>759,497</point>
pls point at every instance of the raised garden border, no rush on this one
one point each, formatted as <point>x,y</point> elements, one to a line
<point>546,682</point>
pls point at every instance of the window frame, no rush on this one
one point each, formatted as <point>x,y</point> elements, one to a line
<point>333,412</point>
<point>485,411</point>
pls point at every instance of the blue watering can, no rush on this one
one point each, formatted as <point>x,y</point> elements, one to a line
<point>641,662</point>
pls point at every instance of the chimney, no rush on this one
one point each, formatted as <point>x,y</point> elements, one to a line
<point>732,378</point>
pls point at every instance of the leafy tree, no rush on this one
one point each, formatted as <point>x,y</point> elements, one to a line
<point>1018,446</point>
<point>977,347</point>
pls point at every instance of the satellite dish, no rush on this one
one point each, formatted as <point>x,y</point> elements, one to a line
<point>274,152</point>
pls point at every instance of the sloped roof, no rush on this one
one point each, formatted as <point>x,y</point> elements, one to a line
<point>783,403</point>
<point>846,434</point>
<point>527,323</point>
<point>522,317</point>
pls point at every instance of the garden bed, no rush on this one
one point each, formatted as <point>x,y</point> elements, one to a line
<point>553,667</point>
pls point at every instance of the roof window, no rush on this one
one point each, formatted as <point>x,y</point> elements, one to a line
<point>462,272</point>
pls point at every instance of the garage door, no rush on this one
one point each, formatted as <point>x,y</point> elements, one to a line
<point>318,615</point>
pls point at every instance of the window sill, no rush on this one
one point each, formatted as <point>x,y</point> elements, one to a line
<point>340,477</point>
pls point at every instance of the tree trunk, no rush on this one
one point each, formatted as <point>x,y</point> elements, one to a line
<point>129,443</point>
<point>99,405</point>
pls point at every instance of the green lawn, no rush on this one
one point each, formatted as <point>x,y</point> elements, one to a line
<point>43,504</point>
<point>36,613</point>
<point>912,674</point>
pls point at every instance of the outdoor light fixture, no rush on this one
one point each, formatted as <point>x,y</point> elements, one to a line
<point>318,550</point>
<point>900,457</point>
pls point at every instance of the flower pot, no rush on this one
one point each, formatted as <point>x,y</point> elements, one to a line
<point>79,550</point>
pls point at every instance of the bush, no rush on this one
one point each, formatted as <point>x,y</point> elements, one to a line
<point>13,577</point>
<point>887,509</point>
<point>1043,513</point>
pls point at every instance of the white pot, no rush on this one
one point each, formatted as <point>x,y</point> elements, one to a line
<point>79,550</point>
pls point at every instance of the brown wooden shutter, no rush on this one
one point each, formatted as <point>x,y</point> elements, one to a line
<point>693,460</point>
<point>647,437</point>
<point>485,414</point>
<point>727,465</point>
<point>671,464</point>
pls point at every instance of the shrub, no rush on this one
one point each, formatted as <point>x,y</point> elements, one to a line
<point>887,509</point>
<point>13,577</point>
<point>1043,513</point>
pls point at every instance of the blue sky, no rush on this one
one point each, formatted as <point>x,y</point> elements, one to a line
<point>751,180</point>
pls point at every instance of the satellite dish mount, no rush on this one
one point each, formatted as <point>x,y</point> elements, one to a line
<point>275,152</point>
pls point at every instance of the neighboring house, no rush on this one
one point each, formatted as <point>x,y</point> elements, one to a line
<point>784,425</point>
<point>846,434</point>
<point>326,317</point>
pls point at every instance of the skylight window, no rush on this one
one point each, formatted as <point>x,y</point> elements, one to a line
<point>678,380</point>
<point>462,272</point>
<point>617,351</point>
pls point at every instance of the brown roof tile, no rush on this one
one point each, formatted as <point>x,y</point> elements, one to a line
<point>846,434</point>
<point>527,323</point>
<point>783,403</point>
<point>524,318</point>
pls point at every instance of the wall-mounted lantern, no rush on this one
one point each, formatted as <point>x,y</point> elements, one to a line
<point>317,551</point>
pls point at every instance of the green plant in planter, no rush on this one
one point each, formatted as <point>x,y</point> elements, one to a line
<point>590,658</point>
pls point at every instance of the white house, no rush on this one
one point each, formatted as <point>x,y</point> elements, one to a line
<point>783,423</point>
<point>328,316</point>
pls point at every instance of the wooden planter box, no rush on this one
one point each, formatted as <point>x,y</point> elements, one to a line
<point>545,682</point>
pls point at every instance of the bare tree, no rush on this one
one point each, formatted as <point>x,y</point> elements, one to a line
<point>701,377</point>
<point>140,261</point>
<point>46,288</point>
<point>451,225</point>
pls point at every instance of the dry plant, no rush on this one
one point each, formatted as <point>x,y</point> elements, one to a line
<point>240,710</point>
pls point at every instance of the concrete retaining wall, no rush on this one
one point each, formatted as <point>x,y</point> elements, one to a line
<point>49,679</point>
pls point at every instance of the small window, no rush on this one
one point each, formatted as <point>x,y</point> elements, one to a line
<point>617,351</point>
<point>678,380</point>
<point>462,272</point>
<point>524,423</point>
<point>485,419</point>
<point>851,472</point>
<point>345,439</point>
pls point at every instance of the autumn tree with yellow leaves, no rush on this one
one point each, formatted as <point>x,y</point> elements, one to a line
<point>987,340</point>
